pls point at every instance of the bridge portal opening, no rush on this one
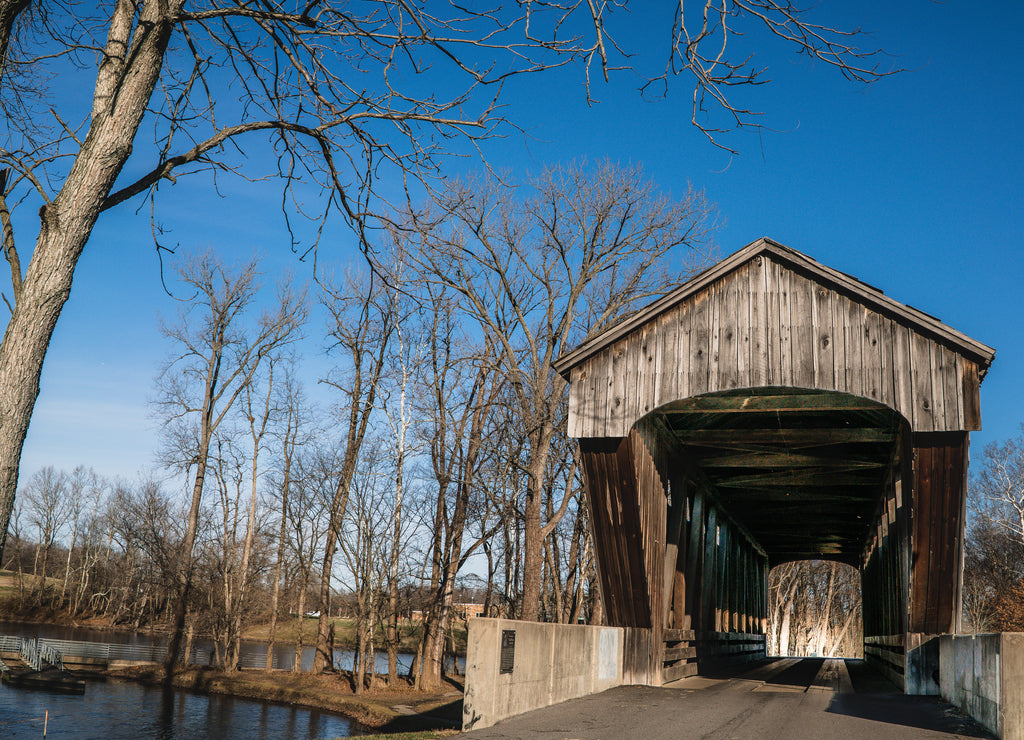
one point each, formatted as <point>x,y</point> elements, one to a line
<point>814,610</point>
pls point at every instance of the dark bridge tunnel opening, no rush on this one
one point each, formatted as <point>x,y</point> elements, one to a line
<point>798,482</point>
<point>803,472</point>
<point>745,481</point>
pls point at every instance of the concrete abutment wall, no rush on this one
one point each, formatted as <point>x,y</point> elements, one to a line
<point>550,663</point>
<point>983,675</point>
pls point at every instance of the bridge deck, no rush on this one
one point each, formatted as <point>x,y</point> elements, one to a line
<point>786,698</point>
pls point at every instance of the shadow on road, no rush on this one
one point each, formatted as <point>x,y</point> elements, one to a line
<point>878,700</point>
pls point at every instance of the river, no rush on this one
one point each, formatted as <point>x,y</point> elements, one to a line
<point>284,654</point>
<point>112,709</point>
<point>121,710</point>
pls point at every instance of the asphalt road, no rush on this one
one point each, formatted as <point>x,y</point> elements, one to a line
<point>784,699</point>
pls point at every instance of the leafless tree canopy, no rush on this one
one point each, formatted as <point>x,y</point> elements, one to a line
<point>994,567</point>
<point>327,99</point>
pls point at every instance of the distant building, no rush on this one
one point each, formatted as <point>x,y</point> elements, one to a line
<point>460,611</point>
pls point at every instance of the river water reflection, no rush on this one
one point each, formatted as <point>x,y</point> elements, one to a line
<point>112,710</point>
<point>117,710</point>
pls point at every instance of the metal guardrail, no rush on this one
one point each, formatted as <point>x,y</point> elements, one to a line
<point>56,652</point>
<point>30,654</point>
<point>208,656</point>
<point>51,655</point>
<point>109,651</point>
<point>34,651</point>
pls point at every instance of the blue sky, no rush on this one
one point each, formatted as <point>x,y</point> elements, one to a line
<point>913,185</point>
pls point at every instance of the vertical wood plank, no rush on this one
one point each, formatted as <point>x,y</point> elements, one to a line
<point>871,354</point>
<point>938,401</point>
<point>921,380</point>
<point>668,367</point>
<point>722,576</point>
<point>727,333</point>
<point>922,537</point>
<point>758,324</point>
<point>853,331</point>
<point>684,353</point>
<point>887,343</point>
<point>839,342</point>
<point>578,387</point>
<point>633,368</point>
<point>633,531</point>
<point>802,340</point>
<point>743,338</point>
<point>948,534</point>
<point>950,390</point>
<point>600,369</point>
<point>902,372</point>
<point>971,395</point>
<point>695,561</point>
<point>714,335</point>
<point>647,392</point>
<point>958,371</point>
<point>785,364</point>
<point>708,578</point>
<point>700,349</point>
<point>824,338</point>
<point>771,319</point>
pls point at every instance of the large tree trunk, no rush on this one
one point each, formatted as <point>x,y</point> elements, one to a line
<point>533,535</point>
<point>67,222</point>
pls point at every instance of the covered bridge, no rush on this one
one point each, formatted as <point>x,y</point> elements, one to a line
<point>773,409</point>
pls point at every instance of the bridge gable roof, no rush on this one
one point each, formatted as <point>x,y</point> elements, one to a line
<point>931,365</point>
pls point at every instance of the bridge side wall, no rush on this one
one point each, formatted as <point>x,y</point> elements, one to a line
<point>669,555</point>
<point>940,491</point>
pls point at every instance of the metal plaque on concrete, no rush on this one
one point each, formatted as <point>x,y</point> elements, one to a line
<point>508,651</point>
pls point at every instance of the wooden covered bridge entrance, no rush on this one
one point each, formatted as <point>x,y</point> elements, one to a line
<point>773,409</point>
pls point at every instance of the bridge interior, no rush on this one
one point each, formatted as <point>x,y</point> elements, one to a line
<point>802,471</point>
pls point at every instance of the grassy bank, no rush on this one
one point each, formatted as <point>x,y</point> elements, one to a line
<point>392,710</point>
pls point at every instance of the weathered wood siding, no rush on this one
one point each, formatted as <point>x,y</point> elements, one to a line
<point>767,324</point>
<point>628,505</point>
<point>940,473</point>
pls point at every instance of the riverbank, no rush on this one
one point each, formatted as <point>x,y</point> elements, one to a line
<point>288,631</point>
<point>386,710</point>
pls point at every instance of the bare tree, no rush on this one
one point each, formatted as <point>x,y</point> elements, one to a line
<point>334,93</point>
<point>48,511</point>
<point>997,491</point>
<point>364,545</point>
<point>81,483</point>
<point>539,273</point>
<point>407,359</point>
<point>814,609</point>
<point>292,433</point>
<point>309,515</point>
<point>994,558</point>
<point>218,352</point>
<point>360,330</point>
<point>459,398</point>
